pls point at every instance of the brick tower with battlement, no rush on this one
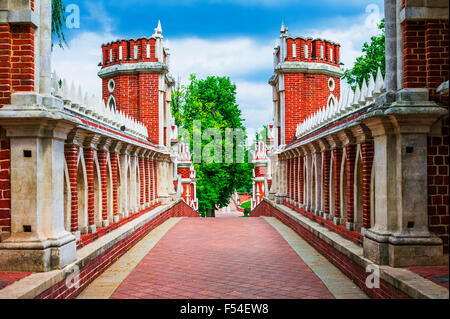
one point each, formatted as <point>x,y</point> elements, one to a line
<point>307,78</point>
<point>135,81</point>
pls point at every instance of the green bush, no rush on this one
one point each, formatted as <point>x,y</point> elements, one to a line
<point>246,205</point>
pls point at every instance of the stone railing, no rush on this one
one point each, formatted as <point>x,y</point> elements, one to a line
<point>93,107</point>
<point>350,102</point>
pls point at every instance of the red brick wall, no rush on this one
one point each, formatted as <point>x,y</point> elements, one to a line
<point>337,159</point>
<point>5,187</point>
<point>426,54</point>
<point>326,181</point>
<point>438,184</point>
<point>89,164</point>
<point>115,173</point>
<point>350,268</point>
<point>98,265</point>
<point>184,172</point>
<point>16,60</point>
<point>304,95</point>
<point>142,52</point>
<point>350,153</point>
<point>5,63</point>
<point>367,154</point>
<point>103,166</point>
<point>138,96</point>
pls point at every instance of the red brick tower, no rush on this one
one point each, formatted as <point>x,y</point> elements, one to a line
<point>135,81</point>
<point>307,77</point>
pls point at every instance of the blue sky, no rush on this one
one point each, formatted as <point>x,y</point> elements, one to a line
<point>216,37</point>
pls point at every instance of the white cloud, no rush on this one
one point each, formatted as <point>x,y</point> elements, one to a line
<point>255,101</point>
<point>79,62</point>
<point>223,57</point>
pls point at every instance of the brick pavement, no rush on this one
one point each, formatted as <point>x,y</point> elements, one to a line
<point>222,258</point>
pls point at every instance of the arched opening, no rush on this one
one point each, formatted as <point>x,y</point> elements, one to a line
<point>305,190</point>
<point>331,187</point>
<point>358,194</point>
<point>109,190</point>
<point>138,187</point>
<point>119,189</point>
<point>82,197</point>
<point>129,190</point>
<point>313,187</point>
<point>97,195</point>
<point>344,190</point>
<point>67,199</point>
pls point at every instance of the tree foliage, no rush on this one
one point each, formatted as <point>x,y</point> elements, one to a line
<point>58,21</point>
<point>213,102</point>
<point>372,59</point>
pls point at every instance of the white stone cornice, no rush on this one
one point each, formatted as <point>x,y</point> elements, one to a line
<point>130,68</point>
<point>309,67</point>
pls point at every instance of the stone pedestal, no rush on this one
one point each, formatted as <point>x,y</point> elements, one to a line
<point>280,198</point>
<point>400,235</point>
<point>38,240</point>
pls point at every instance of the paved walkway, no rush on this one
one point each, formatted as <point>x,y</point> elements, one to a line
<point>222,258</point>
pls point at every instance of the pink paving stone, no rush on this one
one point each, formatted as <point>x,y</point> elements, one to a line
<point>8,278</point>
<point>222,258</point>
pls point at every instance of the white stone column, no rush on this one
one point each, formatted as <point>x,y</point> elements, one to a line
<point>124,158</point>
<point>45,44</point>
<point>38,240</point>
<point>400,236</point>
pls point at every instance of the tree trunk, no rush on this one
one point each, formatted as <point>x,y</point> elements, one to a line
<point>211,212</point>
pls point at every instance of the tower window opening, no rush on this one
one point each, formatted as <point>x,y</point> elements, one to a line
<point>148,51</point>
<point>294,50</point>
<point>306,51</point>
<point>112,103</point>
<point>110,55</point>
<point>331,54</point>
<point>135,52</point>
<point>321,52</point>
<point>120,53</point>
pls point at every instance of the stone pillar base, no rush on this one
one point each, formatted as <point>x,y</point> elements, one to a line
<point>116,218</point>
<point>272,196</point>
<point>403,251</point>
<point>92,229</point>
<point>280,198</point>
<point>349,226</point>
<point>77,235</point>
<point>164,199</point>
<point>37,256</point>
<point>336,221</point>
<point>105,223</point>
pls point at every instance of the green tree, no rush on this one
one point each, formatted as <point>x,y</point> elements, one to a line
<point>372,59</point>
<point>212,101</point>
<point>58,21</point>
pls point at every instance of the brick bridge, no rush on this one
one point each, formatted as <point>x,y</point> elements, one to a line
<point>98,197</point>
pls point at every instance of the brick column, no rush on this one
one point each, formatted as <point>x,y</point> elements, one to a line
<point>337,159</point>
<point>142,181</point>
<point>71,155</point>
<point>5,63</point>
<point>114,171</point>
<point>296,179</point>
<point>301,180</point>
<point>89,164</point>
<point>367,152</point>
<point>154,180</point>
<point>350,152</point>
<point>289,178</point>
<point>102,163</point>
<point>326,182</point>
